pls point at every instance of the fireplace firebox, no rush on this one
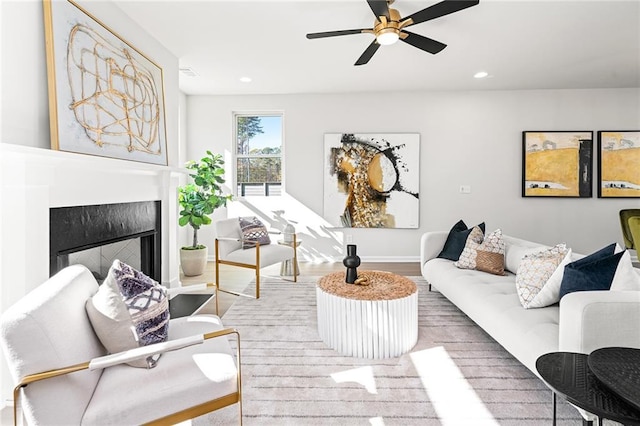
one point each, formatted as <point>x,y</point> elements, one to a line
<point>78,228</point>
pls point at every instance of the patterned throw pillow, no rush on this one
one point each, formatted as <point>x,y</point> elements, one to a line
<point>490,254</point>
<point>467,258</point>
<point>534,273</point>
<point>456,240</point>
<point>128,311</point>
<point>253,231</point>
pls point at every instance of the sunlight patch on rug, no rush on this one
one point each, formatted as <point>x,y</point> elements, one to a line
<point>363,376</point>
<point>448,389</point>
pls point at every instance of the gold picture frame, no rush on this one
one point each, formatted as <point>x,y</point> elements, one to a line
<point>106,98</point>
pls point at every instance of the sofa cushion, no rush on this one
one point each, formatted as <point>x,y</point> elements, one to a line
<point>467,258</point>
<point>516,249</point>
<point>534,273</point>
<point>456,240</point>
<point>129,310</point>
<point>491,301</point>
<point>188,377</point>
<point>253,231</point>
<point>593,272</point>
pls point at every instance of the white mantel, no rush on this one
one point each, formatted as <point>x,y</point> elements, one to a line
<point>32,180</point>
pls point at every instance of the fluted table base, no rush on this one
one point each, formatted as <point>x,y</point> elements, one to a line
<point>368,328</point>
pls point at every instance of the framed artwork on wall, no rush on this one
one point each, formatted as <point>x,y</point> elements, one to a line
<point>106,98</point>
<point>372,180</point>
<point>619,164</point>
<point>557,164</point>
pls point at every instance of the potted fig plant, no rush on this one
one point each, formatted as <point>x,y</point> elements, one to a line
<point>197,201</point>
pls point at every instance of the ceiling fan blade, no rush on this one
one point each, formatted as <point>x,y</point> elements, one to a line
<point>379,7</point>
<point>337,33</point>
<point>422,42</point>
<point>368,53</point>
<point>443,8</point>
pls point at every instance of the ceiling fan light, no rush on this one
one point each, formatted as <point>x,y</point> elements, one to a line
<point>387,36</point>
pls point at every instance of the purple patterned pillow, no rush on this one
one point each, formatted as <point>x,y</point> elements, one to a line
<point>253,231</point>
<point>129,310</point>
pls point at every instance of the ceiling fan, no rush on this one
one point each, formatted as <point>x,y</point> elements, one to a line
<point>389,27</point>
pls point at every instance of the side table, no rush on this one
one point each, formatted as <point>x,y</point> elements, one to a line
<point>379,320</point>
<point>289,267</point>
<point>568,375</point>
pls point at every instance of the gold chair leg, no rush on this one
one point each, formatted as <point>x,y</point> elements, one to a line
<point>217,274</point>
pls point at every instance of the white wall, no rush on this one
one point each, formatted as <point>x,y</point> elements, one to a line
<point>470,138</point>
<point>34,178</point>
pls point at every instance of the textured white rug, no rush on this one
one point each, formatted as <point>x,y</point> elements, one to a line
<point>455,375</point>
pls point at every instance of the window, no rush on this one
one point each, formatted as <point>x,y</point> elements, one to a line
<point>258,154</point>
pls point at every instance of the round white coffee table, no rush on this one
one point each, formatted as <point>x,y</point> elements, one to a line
<point>375,321</point>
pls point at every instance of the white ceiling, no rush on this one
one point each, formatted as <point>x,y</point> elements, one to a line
<point>522,44</point>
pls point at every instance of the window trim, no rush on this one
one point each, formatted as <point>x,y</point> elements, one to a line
<point>236,156</point>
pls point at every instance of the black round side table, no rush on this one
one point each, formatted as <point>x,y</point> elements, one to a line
<point>568,375</point>
<point>619,369</point>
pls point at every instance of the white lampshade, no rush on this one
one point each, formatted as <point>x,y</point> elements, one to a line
<point>386,38</point>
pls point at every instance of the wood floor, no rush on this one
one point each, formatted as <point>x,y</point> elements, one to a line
<point>237,279</point>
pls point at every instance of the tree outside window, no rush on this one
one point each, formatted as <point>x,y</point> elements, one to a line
<point>258,154</point>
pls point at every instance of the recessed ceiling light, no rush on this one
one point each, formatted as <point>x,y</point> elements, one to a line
<point>245,79</point>
<point>481,74</point>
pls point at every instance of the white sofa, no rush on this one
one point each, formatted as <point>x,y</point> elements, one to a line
<point>581,322</point>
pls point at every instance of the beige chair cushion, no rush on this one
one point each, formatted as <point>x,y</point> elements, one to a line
<point>172,385</point>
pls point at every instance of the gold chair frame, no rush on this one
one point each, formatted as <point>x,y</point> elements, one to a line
<point>255,267</point>
<point>180,416</point>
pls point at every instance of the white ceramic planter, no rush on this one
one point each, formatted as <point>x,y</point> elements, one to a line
<point>193,262</point>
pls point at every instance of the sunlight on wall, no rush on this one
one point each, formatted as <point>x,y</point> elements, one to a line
<point>453,398</point>
<point>362,375</point>
<point>323,243</point>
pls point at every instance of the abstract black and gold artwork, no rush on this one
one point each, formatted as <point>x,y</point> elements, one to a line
<point>372,180</point>
<point>106,98</point>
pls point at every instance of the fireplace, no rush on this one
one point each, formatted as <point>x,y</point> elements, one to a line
<point>97,234</point>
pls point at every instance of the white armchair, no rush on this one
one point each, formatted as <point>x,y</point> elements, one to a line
<point>229,251</point>
<point>63,374</point>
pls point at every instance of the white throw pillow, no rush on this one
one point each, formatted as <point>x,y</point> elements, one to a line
<point>626,277</point>
<point>534,282</point>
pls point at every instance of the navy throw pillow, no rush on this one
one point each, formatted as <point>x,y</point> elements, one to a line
<point>456,240</point>
<point>594,272</point>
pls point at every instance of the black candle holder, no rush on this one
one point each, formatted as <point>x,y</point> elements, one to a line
<point>351,261</point>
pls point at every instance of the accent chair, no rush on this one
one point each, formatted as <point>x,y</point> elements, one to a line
<point>229,243</point>
<point>63,374</point>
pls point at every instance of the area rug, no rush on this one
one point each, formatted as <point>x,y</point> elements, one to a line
<point>455,375</point>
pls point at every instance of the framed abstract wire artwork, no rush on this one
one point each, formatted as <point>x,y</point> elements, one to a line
<point>557,164</point>
<point>106,98</point>
<point>371,180</point>
<point>618,164</point>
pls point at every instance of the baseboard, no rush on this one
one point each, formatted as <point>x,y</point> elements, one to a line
<point>383,259</point>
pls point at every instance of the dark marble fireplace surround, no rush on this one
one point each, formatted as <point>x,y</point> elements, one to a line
<point>76,228</point>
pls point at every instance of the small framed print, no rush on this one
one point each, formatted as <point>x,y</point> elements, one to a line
<point>557,164</point>
<point>619,164</point>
